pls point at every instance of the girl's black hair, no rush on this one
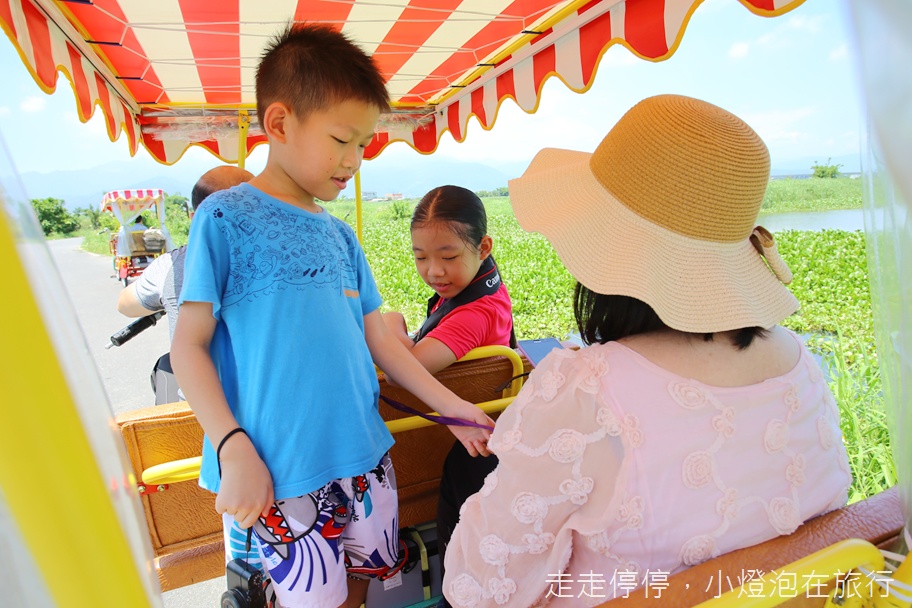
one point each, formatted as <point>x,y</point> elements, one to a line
<point>458,207</point>
<point>605,318</point>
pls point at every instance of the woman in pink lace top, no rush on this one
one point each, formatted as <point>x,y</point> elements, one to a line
<point>692,424</point>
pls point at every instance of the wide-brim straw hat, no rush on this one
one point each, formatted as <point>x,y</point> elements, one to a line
<point>664,211</point>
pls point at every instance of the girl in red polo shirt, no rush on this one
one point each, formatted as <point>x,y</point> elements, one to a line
<point>470,308</point>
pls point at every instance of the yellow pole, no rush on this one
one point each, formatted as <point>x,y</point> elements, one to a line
<point>49,478</point>
<point>358,219</point>
<point>243,128</point>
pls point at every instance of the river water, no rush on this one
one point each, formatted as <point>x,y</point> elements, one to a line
<point>845,219</point>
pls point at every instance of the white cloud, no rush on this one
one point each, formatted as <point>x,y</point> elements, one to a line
<point>808,24</point>
<point>769,38</point>
<point>33,103</point>
<point>839,53</point>
<point>780,126</point>
<point>4,111</point>
<point>738,50</point>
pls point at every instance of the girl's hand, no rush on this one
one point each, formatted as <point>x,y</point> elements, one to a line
<point>475,440</point>
<point>246,489</point>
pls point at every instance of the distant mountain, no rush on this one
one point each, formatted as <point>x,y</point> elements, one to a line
<point>82,188</point>
<point>412,177</point>
<point>415,179</point>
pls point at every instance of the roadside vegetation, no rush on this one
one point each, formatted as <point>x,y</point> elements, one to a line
<point>831,283</point>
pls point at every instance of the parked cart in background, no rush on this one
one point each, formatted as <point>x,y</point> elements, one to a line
<point>134,250</point>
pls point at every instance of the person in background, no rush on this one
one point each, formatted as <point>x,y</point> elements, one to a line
<point>138,225</point>
<point>279,332</point>
<point>692,424</point>
<point>470,308</point>
<point>158,287</point>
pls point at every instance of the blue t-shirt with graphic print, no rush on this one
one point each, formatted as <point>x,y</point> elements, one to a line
<point>289,290</point>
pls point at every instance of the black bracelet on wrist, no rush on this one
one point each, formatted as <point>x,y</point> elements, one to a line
<point>218,450</point>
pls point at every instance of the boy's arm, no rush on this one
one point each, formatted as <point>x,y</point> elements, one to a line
<point>395,360</point>
<point>246,485</point>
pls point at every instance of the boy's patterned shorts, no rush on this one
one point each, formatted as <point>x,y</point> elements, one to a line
<point>309,543</point>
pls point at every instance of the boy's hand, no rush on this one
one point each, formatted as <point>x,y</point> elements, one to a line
<point>474,439</point>
<point>246,489</point>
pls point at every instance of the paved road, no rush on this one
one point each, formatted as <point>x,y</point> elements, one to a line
<point>92,290</point>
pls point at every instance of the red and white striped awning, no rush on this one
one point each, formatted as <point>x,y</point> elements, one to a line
<point>133,200</point>
<point>175,73</point>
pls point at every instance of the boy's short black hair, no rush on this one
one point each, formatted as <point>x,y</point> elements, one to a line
<point>311,67</point>
<point>604,318</point>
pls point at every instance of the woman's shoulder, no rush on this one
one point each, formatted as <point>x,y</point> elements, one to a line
<point>718,362</point>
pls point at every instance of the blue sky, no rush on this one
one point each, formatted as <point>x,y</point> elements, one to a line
<point>792,78</point>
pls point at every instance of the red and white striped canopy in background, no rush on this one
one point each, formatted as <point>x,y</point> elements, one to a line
<point>173,73</point>
<point>133,200</point>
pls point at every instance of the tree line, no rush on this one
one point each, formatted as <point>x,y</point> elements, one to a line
<point>57,220</point>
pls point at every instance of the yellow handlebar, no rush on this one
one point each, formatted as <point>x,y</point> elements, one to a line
<point>189,468</point>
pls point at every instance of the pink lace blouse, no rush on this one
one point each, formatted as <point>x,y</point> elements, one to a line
<point>614,470</point>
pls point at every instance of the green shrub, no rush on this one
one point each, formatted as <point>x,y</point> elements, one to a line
<point>54,217</point>
<point>400,210</point>
<point>826,171</point>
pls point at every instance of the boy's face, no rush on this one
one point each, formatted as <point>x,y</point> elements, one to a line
<point>323,150</point>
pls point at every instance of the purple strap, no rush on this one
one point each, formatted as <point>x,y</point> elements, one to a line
<point>446,420</point>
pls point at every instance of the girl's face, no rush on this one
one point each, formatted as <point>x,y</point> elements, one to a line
<point>446,262</point>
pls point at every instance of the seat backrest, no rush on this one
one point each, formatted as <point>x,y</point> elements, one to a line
<point>418,455</point>
<point>137,244</point>
<point>182,517</point>
<point>877,520</point>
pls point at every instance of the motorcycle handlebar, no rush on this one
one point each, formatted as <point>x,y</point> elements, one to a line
<point>134,329</point>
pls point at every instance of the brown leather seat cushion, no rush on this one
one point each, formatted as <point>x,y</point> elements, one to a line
<point>878,520</point>
<point>186,532</point>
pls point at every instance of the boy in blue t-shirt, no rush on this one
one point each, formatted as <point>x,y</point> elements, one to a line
<point>279,330</point>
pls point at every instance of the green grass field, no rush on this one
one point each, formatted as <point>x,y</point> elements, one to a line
<point>831,283</point>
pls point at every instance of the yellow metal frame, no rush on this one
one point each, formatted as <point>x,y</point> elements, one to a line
<point>189,468</point>
<point>359,221</point>
<point>49,477</point>
<point>243,130</point>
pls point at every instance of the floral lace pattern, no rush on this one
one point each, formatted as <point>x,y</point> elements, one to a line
<point>550,479</point>
<point>697,469</point>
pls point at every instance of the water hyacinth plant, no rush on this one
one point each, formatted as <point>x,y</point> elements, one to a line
<point>831,282</point>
